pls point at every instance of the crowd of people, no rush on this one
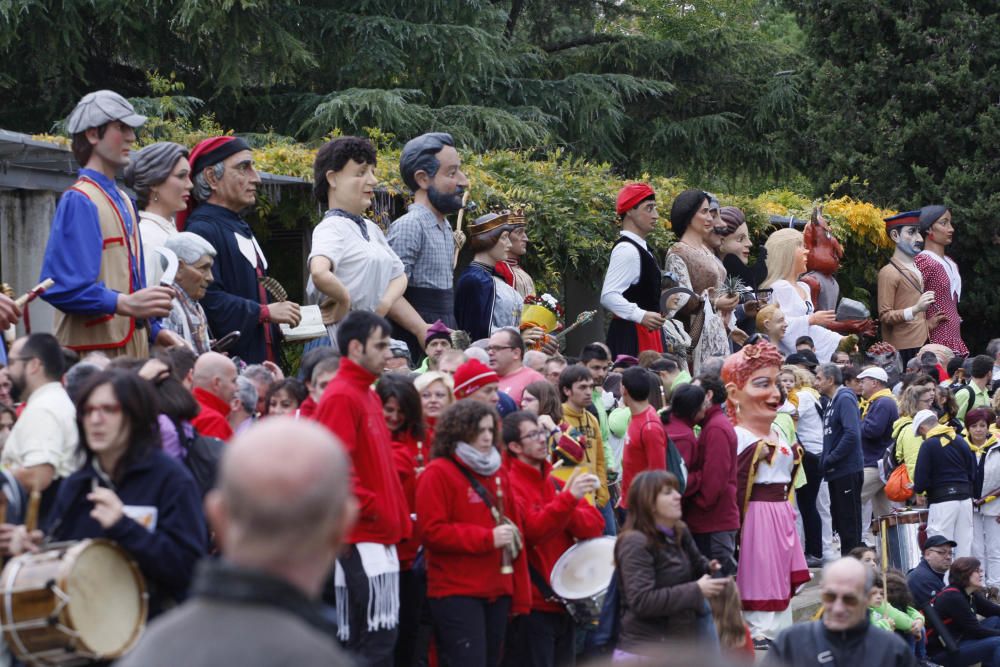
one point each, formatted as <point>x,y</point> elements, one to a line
<point>404,496</point>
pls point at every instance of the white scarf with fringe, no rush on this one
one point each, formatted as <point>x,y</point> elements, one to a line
<point>381,565</point>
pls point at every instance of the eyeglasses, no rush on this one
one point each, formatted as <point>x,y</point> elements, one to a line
<point>849,599</point>
<point>106,410</point>
<point>947,553</point>
<point>497,348</point>
<point>532,435</point>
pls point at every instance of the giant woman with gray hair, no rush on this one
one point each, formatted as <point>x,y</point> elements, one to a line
<point>160,176</point>
<point>195,257</point>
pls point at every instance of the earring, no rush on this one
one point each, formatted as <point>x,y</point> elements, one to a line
<point>736,403</point>
<point>156,197</point>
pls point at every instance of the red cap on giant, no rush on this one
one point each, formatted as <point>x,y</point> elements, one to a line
<point>631,195</point>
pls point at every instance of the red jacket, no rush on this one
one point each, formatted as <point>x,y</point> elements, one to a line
<point>645,448</point>
<point>308,408</point>
<point>682,434</point>
<point>456,527</point>
<point>211,419</point>
<point>351,409</point>
<point>712,507</point>
<point>553,521</point>
<point>404,452</point>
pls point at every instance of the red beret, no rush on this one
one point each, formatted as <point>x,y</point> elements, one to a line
<point>472,376</point>
<point>630,196</point>
<point>902,220</point>
<point>206,153</point>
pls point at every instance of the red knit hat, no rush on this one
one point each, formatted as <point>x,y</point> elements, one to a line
<point>472,376</point>
<point>206,153</point>
<point>631,195</point>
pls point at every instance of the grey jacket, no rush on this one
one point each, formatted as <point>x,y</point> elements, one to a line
<point>236,617</point>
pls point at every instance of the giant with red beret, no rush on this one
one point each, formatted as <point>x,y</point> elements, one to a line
<point>632,195</point>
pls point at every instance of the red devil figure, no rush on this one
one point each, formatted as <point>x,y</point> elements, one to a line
<point>825,253</point>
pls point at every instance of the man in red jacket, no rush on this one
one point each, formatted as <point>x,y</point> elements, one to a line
<point>214,388</point>
<point>553,521</point>
<point>366,577</point>
<point>646,440</point>
<point>712,513</point>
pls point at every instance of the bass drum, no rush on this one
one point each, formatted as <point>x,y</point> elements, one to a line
<point>582,575</point>
<point>903,536</point>
<point>72,603</point>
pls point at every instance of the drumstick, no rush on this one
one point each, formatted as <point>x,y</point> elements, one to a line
<point>35,291</point>
<point>3,507</point>
<point>31,518</point>
<point>558,464</point>
<point>461,211</point>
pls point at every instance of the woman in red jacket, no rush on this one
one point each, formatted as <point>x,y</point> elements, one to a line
<point>401,407</point>
<point>470,592</point>
<point>687,407</point>
<point>436,391</point>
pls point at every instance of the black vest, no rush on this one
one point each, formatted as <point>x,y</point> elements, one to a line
<point>646,292</point>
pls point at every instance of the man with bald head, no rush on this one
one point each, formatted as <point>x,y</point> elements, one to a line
<point>280,513</point>
<point>214,388</point>
<point>844,635</point>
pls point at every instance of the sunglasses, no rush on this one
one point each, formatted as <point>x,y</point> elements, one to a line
<point>849,599</point>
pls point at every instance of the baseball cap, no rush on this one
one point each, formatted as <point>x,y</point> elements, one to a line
<point>875,373</point>
<point>922,417</point>
<point>938,541</point>
<point>100,107</point>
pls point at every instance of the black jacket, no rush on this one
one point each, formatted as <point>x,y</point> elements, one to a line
<point>958,611</point>
<point>809,644</point>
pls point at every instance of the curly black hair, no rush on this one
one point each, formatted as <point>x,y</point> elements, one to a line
<point>333,155</point>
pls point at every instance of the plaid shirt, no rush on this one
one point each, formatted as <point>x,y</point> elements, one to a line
<point>426,247</point>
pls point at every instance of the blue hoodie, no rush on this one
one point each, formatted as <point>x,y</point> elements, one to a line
<point>167,554</point>
<point>841,436</point>
<point>876,429</point>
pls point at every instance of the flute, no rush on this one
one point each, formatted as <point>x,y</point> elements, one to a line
<point>506,560</point>
<point>419,468</point>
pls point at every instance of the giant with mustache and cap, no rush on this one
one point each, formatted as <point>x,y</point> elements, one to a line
<point>225,185</point>
<point>902,300</point>
<point>941,275</point>
<point>432,169</point>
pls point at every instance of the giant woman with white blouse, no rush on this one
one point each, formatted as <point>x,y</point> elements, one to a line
<point>351,266</point>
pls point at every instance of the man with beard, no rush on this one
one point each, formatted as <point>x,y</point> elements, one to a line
<point>225,185</point>
<point>41,448</point>
<point>902,301</point>
<point>941,276</point>
<point>431,167</point>
<point>94,253</point>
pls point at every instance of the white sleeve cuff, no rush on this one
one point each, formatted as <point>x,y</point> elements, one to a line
<point>908,314</point>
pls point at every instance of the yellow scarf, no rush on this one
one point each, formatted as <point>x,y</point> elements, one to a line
<point>881,393</point>
<point>946,432</point>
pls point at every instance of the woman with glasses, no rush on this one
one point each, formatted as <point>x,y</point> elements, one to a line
<point>128,490</point>
<point>664,579</point>
<point>959,606</point>
<point>477,574</point>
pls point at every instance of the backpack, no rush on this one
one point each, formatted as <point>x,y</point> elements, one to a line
<point>889,462</point>
<point>676,465</point>
<point>201,456</point>
<point>956,388</point>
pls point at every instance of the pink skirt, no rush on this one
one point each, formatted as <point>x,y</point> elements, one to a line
<point>772,564</point>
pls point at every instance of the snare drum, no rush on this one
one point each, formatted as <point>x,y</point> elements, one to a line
<point>72,603</point>
<point>902,531</point>
<point>582,575</point>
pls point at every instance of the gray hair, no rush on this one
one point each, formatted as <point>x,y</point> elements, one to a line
<point>77,376</point>
<point>246,393</point>
<point>833,372</point>
<point>258,372</point>
<point>993,348</point>
<point>152,166</point>
<point>189,247</point>
<point>713,366</point>
<point>202,190</point>
<point>420,154</point>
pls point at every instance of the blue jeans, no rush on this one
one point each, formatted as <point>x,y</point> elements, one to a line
<point>608,512</point>
<point>708,636</point>
<point>971,651</point>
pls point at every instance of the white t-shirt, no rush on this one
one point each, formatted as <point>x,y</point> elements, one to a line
<point>45,433</point>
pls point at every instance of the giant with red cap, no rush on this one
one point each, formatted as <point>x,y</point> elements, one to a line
<point>632,195</point>
<point>236,300</point>
<point>902,220</point>
<point>902,298</point>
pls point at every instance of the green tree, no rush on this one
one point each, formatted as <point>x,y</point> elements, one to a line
<point>903,110</point>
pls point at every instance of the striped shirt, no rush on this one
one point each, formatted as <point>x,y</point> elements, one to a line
<point>426,247</point>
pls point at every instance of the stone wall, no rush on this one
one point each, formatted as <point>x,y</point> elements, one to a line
<point>25,220</point>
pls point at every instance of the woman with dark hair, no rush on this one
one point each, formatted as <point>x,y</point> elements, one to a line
<point>128,490</point>
<point>401,406</point>
<point>284,397</point>
<point>484,302</point>
<point>160,176</point>
<point>696,267</point>
<point>985,529</point>
<point>958,606</point>
<point>540,398</point>
<point>477,574</point>
<point>664,579</point>
<point>351,266</point>
<point>687,407</point>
